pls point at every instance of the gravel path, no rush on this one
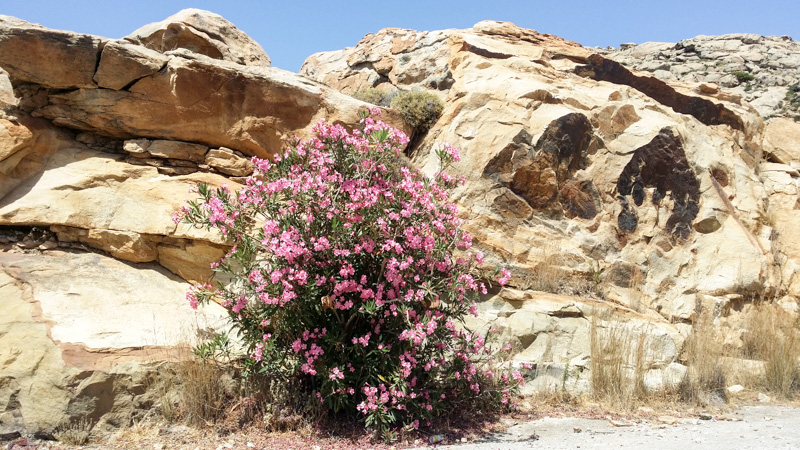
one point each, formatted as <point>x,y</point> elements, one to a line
<point>751,427</point>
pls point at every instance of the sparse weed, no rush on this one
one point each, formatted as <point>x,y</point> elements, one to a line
<point>74,433</point>
<point>743,77</point>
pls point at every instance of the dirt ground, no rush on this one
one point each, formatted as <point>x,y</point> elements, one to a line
<point>749,427</point>
<point>767,426</point>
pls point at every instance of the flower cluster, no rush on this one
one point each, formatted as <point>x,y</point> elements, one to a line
<point>344,273</point>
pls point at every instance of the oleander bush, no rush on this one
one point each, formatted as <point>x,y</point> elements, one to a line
<point>350,277</point>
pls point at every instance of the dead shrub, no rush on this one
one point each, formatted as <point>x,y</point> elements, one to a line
<point>376,96</point>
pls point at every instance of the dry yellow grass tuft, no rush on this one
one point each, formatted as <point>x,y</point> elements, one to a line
<point>617,363</point>
<point>74,433</point>
<point>708,372</point>
<point>772,335</point>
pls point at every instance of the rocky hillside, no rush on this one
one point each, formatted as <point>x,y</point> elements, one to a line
<point>586,177</point>
<point>635,202</point>
<point>763,70</point>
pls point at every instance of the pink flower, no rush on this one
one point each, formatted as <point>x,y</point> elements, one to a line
<point>505,275</point>
<point>336,374</point>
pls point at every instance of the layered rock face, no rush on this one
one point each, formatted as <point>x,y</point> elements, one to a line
<point>100,143</point>
<point>761,69</point>
<point>639,203</point>
<point>587,177</point>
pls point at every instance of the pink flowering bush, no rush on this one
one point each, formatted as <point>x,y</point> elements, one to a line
<point>344,275</point>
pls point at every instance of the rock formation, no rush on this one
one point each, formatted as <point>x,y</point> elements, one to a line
<point>761,69</point>
<point>641,202</point>
<point>100,142</point>
<point>589,178</point>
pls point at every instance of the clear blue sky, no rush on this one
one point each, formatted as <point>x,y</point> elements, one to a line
<point>291,30</point>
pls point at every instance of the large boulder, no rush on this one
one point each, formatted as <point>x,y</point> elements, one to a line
<point>81,332</point>
<point>183,95</point>
<point>782,141</point>
<point>100,200</point>
<point>197,99</point>
<point>201,32</point>
<point>51,58</point>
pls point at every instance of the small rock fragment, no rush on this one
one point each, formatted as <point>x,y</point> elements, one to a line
<point>668,420</point>
<point>436,438</point>
<point>619,423</point>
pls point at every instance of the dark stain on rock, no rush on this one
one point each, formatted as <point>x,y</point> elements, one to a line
<point>660,164</point>
<point>710,113</point>
<point>511,205</point>
<point>544,175</point>
<point>486,53</point>
<point>720,175</point>
<point>564,144</point>
<point>622,274</point>
<point>707,225</point>
<point>627,220</point>
<point>580,198</point>
<point>504,164</point>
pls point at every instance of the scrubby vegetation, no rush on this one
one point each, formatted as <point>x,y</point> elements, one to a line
<point>376,96</point>
<point>418,108</point>
<point>744,77</point>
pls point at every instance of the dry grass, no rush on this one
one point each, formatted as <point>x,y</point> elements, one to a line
<point>203,391</point>
<point>548,275</point>
<point>772,335</point>
<point>74,433</point>
<point>617,363</point>
<point>708,373</point>
<point>636,290</point>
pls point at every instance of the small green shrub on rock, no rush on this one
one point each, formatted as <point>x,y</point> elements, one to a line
<point>744,77</point>
<point>418,108</point>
